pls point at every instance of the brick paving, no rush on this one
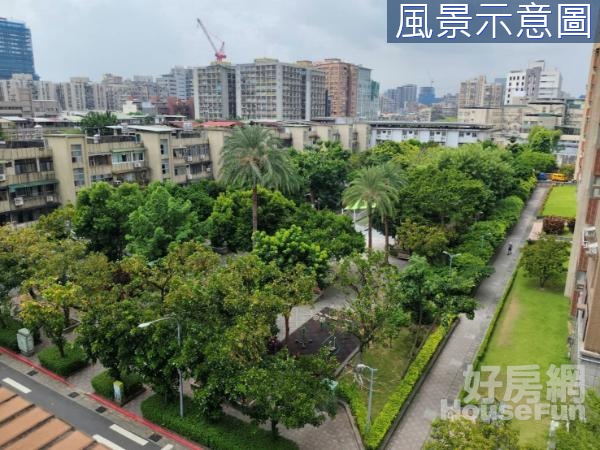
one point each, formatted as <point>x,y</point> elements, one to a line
<point>446,377</point>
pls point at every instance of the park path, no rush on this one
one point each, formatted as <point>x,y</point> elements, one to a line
<point>445,380</point>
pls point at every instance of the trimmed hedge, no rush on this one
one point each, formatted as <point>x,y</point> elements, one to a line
<point>384,420</point>
<point>103,385</point>
<point>8,335</point>
<point>75,359</point>
<point>228,433</point>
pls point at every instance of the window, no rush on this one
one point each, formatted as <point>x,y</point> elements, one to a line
<point>25,166</point>
<point>46,165</point>
<point>164,147</point>
<point>165,168</point>
<point>78,177</point>
<point>76,154</point>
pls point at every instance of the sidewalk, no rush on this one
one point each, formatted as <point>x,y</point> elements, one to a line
<point>445,380</point>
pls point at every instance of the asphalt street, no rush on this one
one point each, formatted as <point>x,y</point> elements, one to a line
<point>83,419</point>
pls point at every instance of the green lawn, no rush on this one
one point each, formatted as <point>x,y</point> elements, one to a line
<point>532,329</point>
<point>561,201</point>
<point>390,362</point>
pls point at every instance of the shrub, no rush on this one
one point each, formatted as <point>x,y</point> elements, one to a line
<point>386,417</point>
<point>228,433</point>
<point>74,360</point>
<point>508,210</point>
<point>103,385</point>
<point>554,225</point>
<point>349,393</point>
<point>8,334</point>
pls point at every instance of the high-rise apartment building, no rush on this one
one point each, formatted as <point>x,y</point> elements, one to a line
<point>268,89</point>
<point>214,91</point>
<point>535,82</point>
<point>177,83</point>
<point>427,95</point>
<point>350,90</point>
<point>16,50</point>
<point>396,100</point>
<point>583,281</point>
<point>477,92</point>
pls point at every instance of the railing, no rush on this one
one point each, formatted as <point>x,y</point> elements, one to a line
<point>110,147</point>
<point>101,169</point>
<point>24,153</point>
<point>34,202</point>
<point>111,139</point>
<point>184,142</point>
<point>30,177</point>
<point>128,166</point>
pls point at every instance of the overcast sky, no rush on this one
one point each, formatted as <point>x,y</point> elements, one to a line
<point>148,37</point>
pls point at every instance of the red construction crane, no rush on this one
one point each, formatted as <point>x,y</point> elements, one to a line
<point>219,53</point>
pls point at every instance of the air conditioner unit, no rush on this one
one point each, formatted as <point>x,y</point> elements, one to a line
<point>589,236</point>
<point>19,201</point>
<point>188,158</point>
<point>209,169</point>
<point>592,249</point>
<point>50,198</point>
<point>137,165</point>
<point>2,177</point>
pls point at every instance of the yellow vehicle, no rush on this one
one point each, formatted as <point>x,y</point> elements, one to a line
<point>558,177</point>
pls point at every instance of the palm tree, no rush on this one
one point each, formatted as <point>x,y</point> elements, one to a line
<point>250,158</point>
<point>371,188</point>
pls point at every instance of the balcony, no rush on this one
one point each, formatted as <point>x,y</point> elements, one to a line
<point>32,202</point>
<point>4,206</point>
<point>11,153</point>
<point>132,166</point>
<point>32,177</point>
<point>101,169</point>
<point>110,147</point>
<point>199,138</point>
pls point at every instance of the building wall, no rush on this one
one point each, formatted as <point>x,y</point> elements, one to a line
<point>584,272</point>
<point>449,136</point>
<point>16,50</point>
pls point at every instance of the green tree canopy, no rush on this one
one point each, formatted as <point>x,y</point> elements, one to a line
<point>159,221</point>
<point>96,123</point>
<point>545,259</point>
<point>230,221</point>
<point>542,140</point>
<point>102,216</point>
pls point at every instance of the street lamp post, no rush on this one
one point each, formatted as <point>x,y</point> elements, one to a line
<point>451,256</point>
<point>372,370</point>
<point>179,372</point>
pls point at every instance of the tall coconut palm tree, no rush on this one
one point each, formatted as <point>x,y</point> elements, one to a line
<point>370,189</point>
<point>250,158</point>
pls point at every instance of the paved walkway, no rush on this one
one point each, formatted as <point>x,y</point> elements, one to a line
<point>446,379</point>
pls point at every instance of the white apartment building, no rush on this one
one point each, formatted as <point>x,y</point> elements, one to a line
<point>444,133</point>
<point>535,82</point>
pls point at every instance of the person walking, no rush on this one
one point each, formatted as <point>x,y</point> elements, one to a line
<point>510,248</point>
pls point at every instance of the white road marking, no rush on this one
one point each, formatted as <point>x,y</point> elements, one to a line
<point>107,443</point>
<point>168,447</point>
<point>18,386</point>
<point>129,435</point>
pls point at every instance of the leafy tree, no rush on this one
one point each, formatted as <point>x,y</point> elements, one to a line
<point>197,194</point>
<point>542,140</point>
<point>582,434</point>
<point>446,197</point>
<point>58,224</point>
<point>290,391</point>
<point>47,312</point>
<point>465,434</point>
<point>102,216</point>
<point>334,233</point>
<point>324,172</point>
<point>230,221</point>
<point>371,190</point>
<point>568,170</point>
<point>545,259</point>
<point>250,158</point>
<point>288,248</point>
<point>529,163</point>
<point>375,308</point>
<point>96,122</point>
<point>161,220</point>
<point>425,240</point>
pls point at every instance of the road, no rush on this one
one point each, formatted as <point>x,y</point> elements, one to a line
<point>85,420</point>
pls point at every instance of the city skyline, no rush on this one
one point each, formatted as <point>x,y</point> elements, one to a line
<point>309,34</point>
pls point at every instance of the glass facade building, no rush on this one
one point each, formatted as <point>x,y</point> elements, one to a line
<point>16,51</point>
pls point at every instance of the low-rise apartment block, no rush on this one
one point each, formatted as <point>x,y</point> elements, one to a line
<point>444,133</point>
